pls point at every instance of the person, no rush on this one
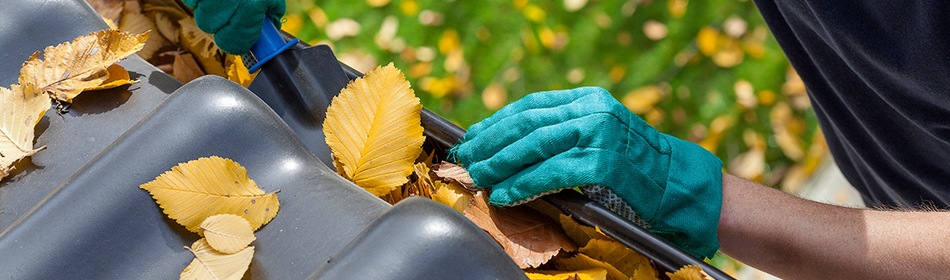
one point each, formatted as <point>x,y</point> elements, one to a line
<point>875,72</point>
<point>876,75</point>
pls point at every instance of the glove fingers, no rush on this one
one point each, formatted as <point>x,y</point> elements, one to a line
<point>237,36</point>
<point>544,143</point>
<point>211,16</point>
<point>580,167</point>
<point>519,125</point>
<point>538,100</point>
<point>276,10</point>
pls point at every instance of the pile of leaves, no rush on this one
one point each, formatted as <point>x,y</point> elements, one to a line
<point>373,127</point>
<point>179,48</point>
<point>215,198</point>
<point>66,70</point>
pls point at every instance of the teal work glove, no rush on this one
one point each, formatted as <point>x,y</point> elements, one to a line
<point>236,24</point>
<point>556,140</point>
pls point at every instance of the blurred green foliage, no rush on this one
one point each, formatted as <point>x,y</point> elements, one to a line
<point>707,71</point>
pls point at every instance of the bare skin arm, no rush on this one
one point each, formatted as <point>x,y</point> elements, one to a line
<point>794,238</point>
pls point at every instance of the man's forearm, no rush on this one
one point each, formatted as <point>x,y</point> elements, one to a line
<point>795,238</point>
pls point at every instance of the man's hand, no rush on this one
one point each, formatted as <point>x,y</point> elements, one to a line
<point>555,140</point>
<point>236,24</point>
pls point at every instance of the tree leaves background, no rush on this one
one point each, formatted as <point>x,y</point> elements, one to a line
<point>706,71</point>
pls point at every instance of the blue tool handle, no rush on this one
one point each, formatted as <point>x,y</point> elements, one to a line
<point>267,47</point>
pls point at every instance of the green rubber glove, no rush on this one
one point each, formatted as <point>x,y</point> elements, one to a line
<point>556,140</point>
<point>236,24</point>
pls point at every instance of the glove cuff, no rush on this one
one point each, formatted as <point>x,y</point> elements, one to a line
<point>689,210</point>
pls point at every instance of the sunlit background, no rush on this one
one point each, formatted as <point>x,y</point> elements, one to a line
<point>707,71</point>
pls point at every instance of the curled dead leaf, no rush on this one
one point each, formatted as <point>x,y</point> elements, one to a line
<point>530,238</point>
<point>455,173</point>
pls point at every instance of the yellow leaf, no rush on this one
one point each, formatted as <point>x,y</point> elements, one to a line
<point>237,71</point>
<point>202,45</point>
<point>617,255</point>
<point>708,41</point>
<point>191,192</point>
<point>581,262</point>
<point>586,274</point>
<point>642,100</point>
<point>453,195</point>
<point>529,237</point>
<point>227,233</point>
<point>580,234</point>
<point>69,68</point>
<point>374,130</point>
<point>645,272</point>
<point>21,108</point>
<point>117,77</point>
<point>689,272</point>
<point>211,264</point>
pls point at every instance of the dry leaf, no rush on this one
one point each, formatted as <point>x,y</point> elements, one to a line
<point>69,68</point>
<point>578,233</point>
<point>689,272</point>
<point>118,76</point>
<point>108,9</point>
<point>227,233</point>
<point>453,172</point>
<point>138,23</point>
<point>374,130</point>
<point>185,68</point>
<point>587,274</point>
<point>645,272</point>
<point>237,71</point>
<point>191,192</point>
<point>617,255</point>
<point>202,45</point>
<point>211,264</point>
<point>21,108</point>
<point>453,195</point>
<point>529,237</point>
<point>581,262</point>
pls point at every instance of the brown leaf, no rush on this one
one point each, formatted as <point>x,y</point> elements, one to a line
<point>138,23</point>
<point>107,9</point>
<point>202,45</point>
<point>530,238</point>
<point>453,172</point>
<point>185,69</point>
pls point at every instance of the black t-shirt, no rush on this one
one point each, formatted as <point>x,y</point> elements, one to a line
<point>878,75</point>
